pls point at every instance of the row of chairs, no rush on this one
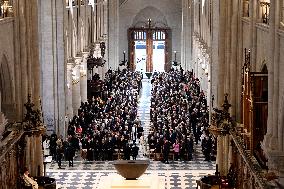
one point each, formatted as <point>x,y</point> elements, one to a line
<point>158,156</point>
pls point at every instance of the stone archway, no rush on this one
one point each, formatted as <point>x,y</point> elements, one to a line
<point>149,26</point>
<point>7,104</point>
<point>158,19</point>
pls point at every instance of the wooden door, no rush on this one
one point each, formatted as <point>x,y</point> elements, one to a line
<point>146,34</point>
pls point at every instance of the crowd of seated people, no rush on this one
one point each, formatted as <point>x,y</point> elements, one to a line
<point>106,123</point>
<point>179,114</point>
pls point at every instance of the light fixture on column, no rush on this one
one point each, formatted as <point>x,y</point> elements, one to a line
<point>175,63</point>
<point>124,62</point>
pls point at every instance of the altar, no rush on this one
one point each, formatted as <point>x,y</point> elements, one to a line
<point>146,181</point>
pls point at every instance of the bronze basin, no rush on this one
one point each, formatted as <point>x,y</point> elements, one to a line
<point>131,170</point>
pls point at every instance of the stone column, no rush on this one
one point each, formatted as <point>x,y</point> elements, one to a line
<point>272,33</point>
<point>113,34</point>
<point>233,57</point>
<point>33,151</point>
<point>69,96</point>
<point>219,158</point>
<point>253,6</point>
<point>277,76</point>
<point>223,158</point>
<point>83,78</point>
<point>270,141</point>
<point>76,95</point>
<point>23,51</point>
<point>183,32</point>
<point>215,67</point>
<point>53,66</point>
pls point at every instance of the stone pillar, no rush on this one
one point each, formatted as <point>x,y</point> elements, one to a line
<point>233,57</point>
<point>273,38</point>
<point>33,150</point>
<point>76,95</point>
<point>253,6</point>
<point>113,34</point>
<point>53,66</point>
<point>69,96</point>
<point>219,158</point>
<point>270,139</point>
<point>223,154</point>
<point>215,67</point>
<point>23,51</point>
<point>83,78</point>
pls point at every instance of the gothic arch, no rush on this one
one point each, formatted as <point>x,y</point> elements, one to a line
<point>264,68</point>
<point>6,86</point>
<point>158,19</point>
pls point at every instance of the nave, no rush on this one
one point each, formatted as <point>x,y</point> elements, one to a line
<point>177,174</point>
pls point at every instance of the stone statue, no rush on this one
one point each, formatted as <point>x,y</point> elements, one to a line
<point>221,118</point>
<point>32,117</point>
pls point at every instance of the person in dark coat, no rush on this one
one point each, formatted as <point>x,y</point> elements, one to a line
<point>166,151</point>
<point>52,146</point>
<point>59,155</point>
<point>70,154</point>
<point>135,150</point>
<point>207,147</point>
<point>127,152</point>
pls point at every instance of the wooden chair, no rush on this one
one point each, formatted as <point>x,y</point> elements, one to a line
<point>115,154</point>
<point>152,154</point>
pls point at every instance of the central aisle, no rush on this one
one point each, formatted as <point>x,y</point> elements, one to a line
<point>144,106</point>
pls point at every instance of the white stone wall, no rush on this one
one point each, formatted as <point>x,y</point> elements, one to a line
<point>172,11</point>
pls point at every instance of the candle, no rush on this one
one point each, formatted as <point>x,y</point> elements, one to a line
<point>124,56</point>
<point>175,55</point>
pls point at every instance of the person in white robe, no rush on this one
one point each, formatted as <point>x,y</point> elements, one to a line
<point>28,180</point>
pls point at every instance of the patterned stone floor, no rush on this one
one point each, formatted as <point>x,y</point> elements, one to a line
<point>177,174</point>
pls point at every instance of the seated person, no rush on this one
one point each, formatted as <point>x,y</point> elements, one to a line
<point>28,180</point>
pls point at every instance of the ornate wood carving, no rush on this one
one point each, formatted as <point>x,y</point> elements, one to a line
<point>254,105</point>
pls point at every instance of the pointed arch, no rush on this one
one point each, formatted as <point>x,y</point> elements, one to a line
<point>6,86</point>
<point>264,68</point>
<point>158,19</point>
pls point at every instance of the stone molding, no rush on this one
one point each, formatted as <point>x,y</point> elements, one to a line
<point>203,46</point>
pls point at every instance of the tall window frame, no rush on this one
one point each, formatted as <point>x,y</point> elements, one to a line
<point>264,11</point>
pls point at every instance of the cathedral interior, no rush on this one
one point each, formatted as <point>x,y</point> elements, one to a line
<point>193,87</point>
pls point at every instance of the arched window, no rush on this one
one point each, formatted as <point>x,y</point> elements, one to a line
<point>246,8</point>
<point>67,3</point>
<point>264,11</point>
